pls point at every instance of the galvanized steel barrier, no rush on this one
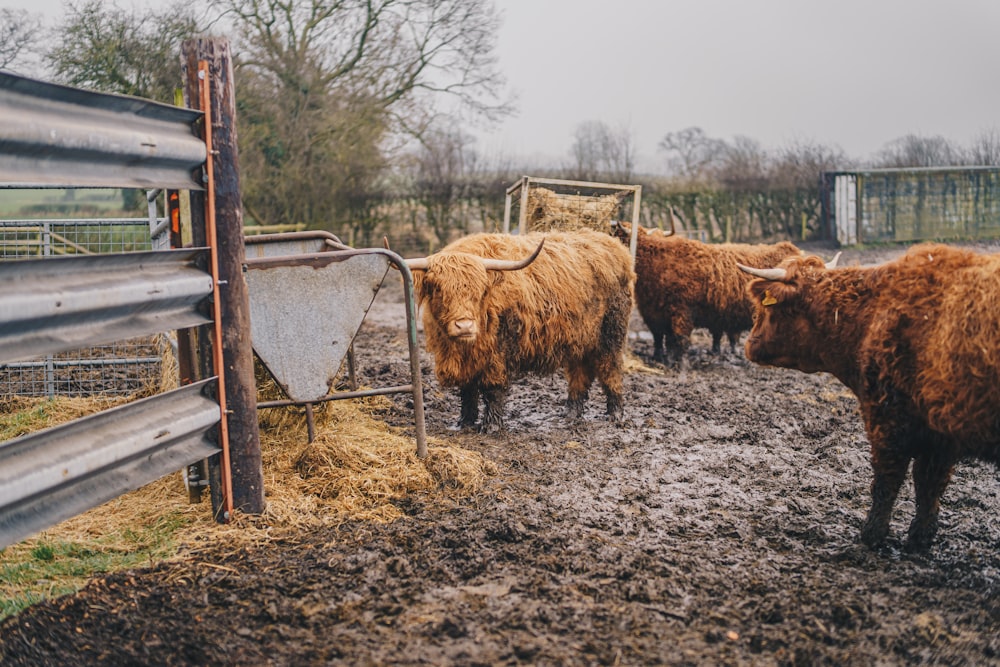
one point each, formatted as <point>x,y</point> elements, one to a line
<point>56,136</point>
<point>123,367</point>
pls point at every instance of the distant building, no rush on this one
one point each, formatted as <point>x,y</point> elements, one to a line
<point>886,205</point>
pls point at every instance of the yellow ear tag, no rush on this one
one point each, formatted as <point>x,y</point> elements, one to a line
<point>768,300</point>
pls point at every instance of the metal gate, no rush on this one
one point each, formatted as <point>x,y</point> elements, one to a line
<point>125,367</point>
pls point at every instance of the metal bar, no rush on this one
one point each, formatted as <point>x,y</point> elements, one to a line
<point>57,473</point>
<point>583,184</point>
<point>363,393</point>
<point>72,223</point>
<point>58,304</point>
<point>57,136</point>
<point>58,363</point>
<point>636,201</point>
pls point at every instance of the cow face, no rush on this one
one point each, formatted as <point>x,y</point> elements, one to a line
<point>784,331</point>
<point>453,288</point>
<point>453,291</point>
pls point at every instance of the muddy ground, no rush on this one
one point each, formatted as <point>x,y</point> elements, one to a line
<point>718,526</point>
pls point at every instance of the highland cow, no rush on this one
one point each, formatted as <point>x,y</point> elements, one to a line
<point>491,317</point>
<point>918,342</point>
<point>683,284</point>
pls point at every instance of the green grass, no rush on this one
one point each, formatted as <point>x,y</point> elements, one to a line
<point>43,568</point>
<point>54,203</point>
<point>18,423</point>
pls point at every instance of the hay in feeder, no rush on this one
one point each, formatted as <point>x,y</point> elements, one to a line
<point>547,210</point>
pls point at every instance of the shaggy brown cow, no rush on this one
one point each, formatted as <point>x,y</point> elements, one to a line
<point>918,342</point>
<point>683,284</point>
<point>568,309</point>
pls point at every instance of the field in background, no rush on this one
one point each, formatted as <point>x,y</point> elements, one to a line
<point>43,203</point>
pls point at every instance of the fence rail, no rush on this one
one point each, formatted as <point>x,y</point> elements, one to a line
<point>56,136</point>
<point>55,474</point>
<point>128,363</point>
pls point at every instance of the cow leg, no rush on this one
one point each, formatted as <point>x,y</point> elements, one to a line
<point>889,472</point>
<point>579,378</point>
<point>679,338</point>
<point>470,406</point>
<point>931,474</point>
<point>716,342</point>
<point>611,383</point>
<point>734,338</point>
<point>657,346</point>
<point>494,399</point>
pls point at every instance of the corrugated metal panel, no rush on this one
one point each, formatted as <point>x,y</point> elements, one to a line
<point>55,136</point>
<point>58,304</point>
<point>55,474</point>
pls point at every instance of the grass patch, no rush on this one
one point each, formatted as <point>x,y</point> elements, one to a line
<point>50,566</point>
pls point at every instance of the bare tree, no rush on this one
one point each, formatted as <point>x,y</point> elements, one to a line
<point>793,204</point>
<point>443,163</point>
<point>601,153</point>
<point>985,149</point>
<point>913,150</point>
<point>691,154</point>
<point>325,86</point>
<point>19,33</point>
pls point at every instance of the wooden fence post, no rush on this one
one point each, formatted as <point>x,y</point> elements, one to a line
<point>241,393</point>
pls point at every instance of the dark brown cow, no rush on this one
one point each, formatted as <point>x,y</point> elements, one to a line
<point>568,309</point>
<point>918,342</point>
<point>683,284</point>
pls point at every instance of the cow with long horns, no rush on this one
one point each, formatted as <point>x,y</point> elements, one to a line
<point>684,284</point>
<point>918,342</point>
<point>497,307</point>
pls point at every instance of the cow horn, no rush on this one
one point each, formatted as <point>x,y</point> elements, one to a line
<point>832,264</point>
<point>766,274</point>
<point>512,264</point>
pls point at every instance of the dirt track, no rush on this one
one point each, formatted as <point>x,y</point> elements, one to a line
<point>718,526</point>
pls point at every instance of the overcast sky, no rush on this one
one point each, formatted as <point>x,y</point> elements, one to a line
<point>849,73</point>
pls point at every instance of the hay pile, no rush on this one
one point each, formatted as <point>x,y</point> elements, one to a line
<point>547,211</point>
<point>358,468</point>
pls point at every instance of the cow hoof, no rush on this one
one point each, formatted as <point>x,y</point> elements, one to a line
<point>918,541</point>
<point>490,428</point>
<point>872,537</point>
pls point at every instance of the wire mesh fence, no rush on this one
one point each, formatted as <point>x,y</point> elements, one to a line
<point>123,368</point>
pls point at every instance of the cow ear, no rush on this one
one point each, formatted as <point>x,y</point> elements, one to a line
<point>771,293</point>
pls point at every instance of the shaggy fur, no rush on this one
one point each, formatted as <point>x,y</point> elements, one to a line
<point>684,284</point>
<point>918,342</point>
<point>568,309</point>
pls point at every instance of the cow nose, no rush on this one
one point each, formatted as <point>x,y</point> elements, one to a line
<point>463,328</point>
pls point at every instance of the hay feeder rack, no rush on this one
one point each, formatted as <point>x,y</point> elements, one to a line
<point>309,294</point>
<point>550,203</point>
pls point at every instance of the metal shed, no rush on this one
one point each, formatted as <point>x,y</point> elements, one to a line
<point>886,205</point>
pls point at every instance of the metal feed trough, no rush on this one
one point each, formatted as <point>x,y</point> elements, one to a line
<point>309,294</point>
